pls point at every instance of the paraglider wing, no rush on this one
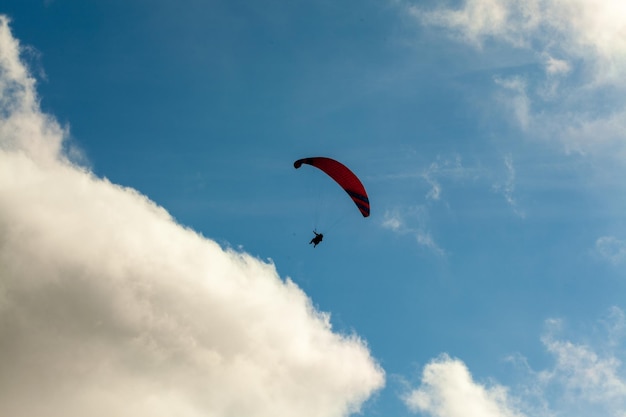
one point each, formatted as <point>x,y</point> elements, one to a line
<point>342,176</point>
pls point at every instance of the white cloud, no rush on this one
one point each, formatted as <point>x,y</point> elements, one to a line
<point>109,307</point>
<point>412,221</point>
<point>579,29</point>
<point>582,47</point>
<point>448,390</point>
<point>611,249</point>
<point>615,324</point>
<point>444,168</point>
<point>447,173</point>
<point>479,19</point>
<point>435,188</point>
<point>583,373</point>
<point>590,379</point>
<point>584,380</point>
<point>517,99</point>
<point>393,221</point>
<point>556,66</point>
<point>507,188</point>
<point>425,239</point>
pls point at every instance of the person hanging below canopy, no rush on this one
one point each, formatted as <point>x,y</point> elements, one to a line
<point>317,239</point>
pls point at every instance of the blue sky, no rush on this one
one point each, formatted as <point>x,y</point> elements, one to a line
<point>155,234</point>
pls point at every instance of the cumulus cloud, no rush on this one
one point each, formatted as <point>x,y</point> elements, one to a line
<point>583,380</point>
<point>580,44</point>
<point>448,390</point>
<point>109,307</point>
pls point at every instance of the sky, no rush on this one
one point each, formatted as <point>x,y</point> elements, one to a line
<point>154,234</point>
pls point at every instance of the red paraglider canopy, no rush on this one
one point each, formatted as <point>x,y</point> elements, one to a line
<point>344,177</point>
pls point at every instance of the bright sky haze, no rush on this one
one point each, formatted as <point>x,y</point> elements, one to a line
<point>154,234</point>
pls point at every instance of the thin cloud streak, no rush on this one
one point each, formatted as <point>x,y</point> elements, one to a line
<point>441,175</point>
<point>507,188</point>
<point>109,307</point>
<point>412,221</point>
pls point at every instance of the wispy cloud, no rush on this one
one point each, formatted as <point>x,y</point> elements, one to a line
<point>583,373</point>
<point>443,177</point>
<point>565,31</point>
<point>439,171</point>
<point>109,307</point>
<point>582,48</point>
<point>507,188</point>
<point>515,97</point>
<point>443,169</point>
<point>412,221</point>
<point>583,380</point>
<point>611,249</point>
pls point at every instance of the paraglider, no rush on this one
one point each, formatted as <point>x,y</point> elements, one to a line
<point>345,178</point>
